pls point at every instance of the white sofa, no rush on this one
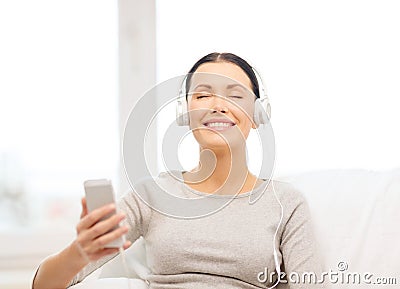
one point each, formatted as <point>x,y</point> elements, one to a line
<point>356,215</point>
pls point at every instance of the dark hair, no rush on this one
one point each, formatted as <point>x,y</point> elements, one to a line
<point>226,57</point>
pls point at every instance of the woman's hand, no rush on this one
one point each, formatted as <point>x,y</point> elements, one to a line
<point>58,270</point>
<point>92,233</point>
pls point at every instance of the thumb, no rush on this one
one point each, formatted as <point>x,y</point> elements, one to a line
<point>84,207</point>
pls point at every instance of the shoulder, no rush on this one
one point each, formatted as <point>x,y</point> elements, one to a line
<point>145,186</point>
<point>153,191</point>
<point>137,196</point>
<point>293,203</point>
<point>288,193</point>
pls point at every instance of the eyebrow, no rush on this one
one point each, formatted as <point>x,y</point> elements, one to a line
<point>205,85</point>
<point>236,84</point>
<point>229,86</point>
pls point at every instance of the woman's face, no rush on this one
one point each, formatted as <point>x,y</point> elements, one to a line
<point>221,105</point>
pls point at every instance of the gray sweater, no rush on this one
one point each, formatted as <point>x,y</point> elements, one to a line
<point>226,249</point>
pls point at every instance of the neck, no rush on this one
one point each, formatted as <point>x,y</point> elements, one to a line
<point>221,171</point>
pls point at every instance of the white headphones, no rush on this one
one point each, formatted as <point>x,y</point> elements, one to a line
<point>262,107</point>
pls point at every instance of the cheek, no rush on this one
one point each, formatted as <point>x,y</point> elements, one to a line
<point>244,113</point>
<point>245,117</point>
<point>195,113</point>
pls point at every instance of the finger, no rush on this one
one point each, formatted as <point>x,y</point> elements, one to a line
<point>93,217</point>
<point>84,207</point>
<point>103,227</point>
<point>127,245</point>
<point>104,252</point>
<point>100,242</point>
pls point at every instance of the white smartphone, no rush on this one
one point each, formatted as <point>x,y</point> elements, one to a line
<point>100,193</point>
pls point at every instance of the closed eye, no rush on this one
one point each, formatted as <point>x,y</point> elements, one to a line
<point>202,95</point>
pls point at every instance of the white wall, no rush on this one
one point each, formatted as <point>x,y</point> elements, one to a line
<point>137,66</point>
<point>330,68</point>
<point>58,108</point>
<point>58,123</point>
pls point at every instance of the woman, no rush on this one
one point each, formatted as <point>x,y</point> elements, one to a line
<point>241,245</point>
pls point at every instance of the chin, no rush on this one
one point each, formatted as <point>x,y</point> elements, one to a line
<point>218,143</point>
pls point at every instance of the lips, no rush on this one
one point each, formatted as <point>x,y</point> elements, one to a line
<point>219,124</point>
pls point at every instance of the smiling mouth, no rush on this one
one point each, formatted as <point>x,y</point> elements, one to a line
<point>219,126</point>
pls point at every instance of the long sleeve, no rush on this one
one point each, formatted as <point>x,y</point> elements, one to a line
<point>302,260</point>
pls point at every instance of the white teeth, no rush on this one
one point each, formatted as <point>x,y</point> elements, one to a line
<point>218,124</point>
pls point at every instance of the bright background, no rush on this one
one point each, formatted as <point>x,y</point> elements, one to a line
<point>58,109</point>
<point>331,70</point>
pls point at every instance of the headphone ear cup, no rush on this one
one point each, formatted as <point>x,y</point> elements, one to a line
<point>267,107</point>
<point>262,112</point>
<point>182,116</point>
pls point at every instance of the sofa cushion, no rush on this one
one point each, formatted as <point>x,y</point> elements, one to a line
<point>356,216</point>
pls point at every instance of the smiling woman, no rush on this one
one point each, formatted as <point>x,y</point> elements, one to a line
<point>221,94</point>
<point>230,247</point>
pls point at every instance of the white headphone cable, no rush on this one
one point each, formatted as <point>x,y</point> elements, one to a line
<point>277,266</point>
<point>276,261</point>
<point>278,269</point>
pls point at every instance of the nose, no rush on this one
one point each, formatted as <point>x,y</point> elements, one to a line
<point>219,104</point>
